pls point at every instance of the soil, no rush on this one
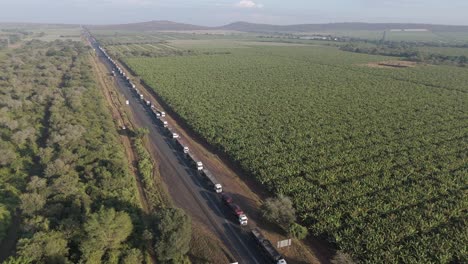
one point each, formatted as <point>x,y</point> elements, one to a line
<point>392,64</point>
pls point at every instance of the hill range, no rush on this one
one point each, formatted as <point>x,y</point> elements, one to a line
<point>253,27</point>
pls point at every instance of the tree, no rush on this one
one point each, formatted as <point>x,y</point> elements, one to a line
<point>141,132</point>
<point>279,210</point>
<point>32,202</point>
<point>44,247</point>
<point>173,234</point>
<point>104,230</point>
<point>298,231</point>
<point>6,156</point>
<point>18,260</point>
<point>341,258</point>
<point>133,256</point>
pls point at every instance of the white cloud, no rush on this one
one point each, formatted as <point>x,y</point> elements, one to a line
<point>248,4</point>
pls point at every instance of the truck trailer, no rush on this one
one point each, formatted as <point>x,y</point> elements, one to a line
<point>194,161</point>
<point>268,250</point>
<point>211,180</point>
<point>181,146</point>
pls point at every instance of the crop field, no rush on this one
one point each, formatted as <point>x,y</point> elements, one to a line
<point>143,49</point>
<point>128,37</point>
<point>375,160</point>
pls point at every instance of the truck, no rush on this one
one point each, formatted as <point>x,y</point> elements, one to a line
<point>181,145</point>
<point>141,96</point>
<point>237,211</point>
<point>194,161</point>
<point>148,103</point>
<point>163,114</point>
<point>268,250</point>
<point>211,180</point>
<point>170,132</point>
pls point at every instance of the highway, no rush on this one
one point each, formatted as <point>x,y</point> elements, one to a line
<point>188,190</point>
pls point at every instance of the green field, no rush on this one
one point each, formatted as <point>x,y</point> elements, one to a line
<point>374,159</point>
<point>109,37</point>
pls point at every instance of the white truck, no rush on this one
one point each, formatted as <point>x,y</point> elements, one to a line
<point>211,180</point>
<point>181,146</point>
<point>194,161</point>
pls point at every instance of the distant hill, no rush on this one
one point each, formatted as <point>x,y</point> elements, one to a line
<point>251,27</point>
<point>150,26</point>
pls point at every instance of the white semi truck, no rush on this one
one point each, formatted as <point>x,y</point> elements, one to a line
<point>194,161</point>
<point>211,180</point>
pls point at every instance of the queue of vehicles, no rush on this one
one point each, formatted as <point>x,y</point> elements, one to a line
<point>265,245</point>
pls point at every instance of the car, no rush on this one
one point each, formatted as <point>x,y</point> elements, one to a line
<point>236,210</point>
<point>227,199</point>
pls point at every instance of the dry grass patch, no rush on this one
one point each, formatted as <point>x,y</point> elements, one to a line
<point>391,64</point>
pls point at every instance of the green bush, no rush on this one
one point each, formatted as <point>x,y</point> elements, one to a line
<point>298,231</point>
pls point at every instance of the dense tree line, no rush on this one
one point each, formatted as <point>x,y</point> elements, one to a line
<point>62,164</point>
<point>405,50</point>
<point>63,172</point>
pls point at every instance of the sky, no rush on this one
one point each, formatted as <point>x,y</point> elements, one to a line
<point>220,12</point>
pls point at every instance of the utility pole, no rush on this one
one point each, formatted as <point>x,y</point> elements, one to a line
<point>384,37</point>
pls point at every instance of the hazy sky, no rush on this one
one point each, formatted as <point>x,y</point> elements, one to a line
<point>218,12</point>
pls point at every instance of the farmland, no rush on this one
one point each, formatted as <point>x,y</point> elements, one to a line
<point>374,159</point>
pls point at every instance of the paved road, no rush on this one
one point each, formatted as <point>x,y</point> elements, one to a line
<point>187,189</point>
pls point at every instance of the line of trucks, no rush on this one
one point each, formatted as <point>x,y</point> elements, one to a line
<point>268,250</point>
